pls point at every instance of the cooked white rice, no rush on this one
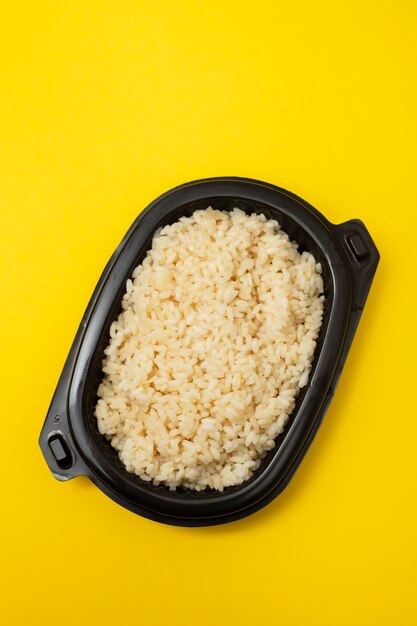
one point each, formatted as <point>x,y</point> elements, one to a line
<point>215,340</point>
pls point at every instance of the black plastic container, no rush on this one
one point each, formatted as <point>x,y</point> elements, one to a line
<point>70,440</point>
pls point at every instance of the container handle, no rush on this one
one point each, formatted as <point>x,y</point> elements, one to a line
<point>363,256</point>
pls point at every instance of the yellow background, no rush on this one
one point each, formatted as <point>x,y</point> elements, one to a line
<point>103,106</point>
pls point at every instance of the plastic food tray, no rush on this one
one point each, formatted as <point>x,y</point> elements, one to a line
<point>70,441</point>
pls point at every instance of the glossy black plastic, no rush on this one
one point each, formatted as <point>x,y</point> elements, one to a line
<point>70,441</point>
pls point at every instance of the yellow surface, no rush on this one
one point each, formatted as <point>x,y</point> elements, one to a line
<point>103,106</point>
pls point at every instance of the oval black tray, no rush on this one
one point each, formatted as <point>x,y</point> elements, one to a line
<point>70,440</point>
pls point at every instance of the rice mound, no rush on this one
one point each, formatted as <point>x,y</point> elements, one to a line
<point>205,361</point>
